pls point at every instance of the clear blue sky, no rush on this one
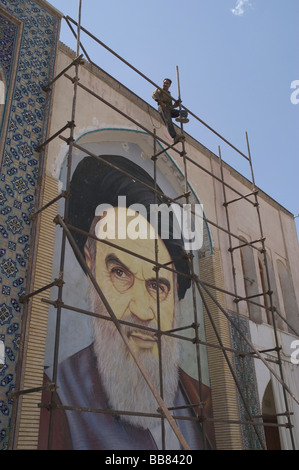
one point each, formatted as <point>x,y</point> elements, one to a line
<point>237,60</point>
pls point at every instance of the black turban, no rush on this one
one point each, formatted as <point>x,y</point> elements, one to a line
<point>94,183</point>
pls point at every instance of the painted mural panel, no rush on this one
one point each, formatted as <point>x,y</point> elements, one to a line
<point>136,282</point>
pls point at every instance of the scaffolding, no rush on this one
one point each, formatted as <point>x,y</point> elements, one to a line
<point>205,290</point>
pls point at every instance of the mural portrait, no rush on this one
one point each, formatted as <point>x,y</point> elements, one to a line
<point>103,401</point>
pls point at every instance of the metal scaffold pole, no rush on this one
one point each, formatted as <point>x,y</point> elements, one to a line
<point>201,291</point>
<point>64,237</point>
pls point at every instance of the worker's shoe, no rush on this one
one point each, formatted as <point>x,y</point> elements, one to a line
<point>183,120</point>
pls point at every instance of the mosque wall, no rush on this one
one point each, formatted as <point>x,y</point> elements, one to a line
<point>31,246</point>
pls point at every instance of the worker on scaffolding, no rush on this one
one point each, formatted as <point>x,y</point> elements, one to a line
<point>167,110</point>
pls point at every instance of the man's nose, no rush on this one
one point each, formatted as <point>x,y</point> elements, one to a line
<point>141,303</point>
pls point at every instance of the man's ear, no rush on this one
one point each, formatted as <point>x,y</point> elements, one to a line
<point>87,256</point>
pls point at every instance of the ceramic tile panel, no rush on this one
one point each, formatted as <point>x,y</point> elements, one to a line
<point>28,39</point>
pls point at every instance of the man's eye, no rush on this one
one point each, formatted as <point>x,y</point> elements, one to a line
<point>118,272</point>
<point>120,278</point>
<point>158,288</point>
<point>155,285</point>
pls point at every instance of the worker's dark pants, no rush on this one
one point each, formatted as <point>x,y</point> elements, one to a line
<point>167,115</point>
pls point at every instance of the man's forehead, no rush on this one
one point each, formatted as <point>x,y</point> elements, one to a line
<point>131,231</point>
<point>137,255</point>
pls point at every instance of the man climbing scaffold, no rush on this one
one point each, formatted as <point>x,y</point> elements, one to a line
<point>167,110</point>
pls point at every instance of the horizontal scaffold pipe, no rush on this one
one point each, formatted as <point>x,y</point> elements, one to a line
<point>171,333</point>
<point>155,85</point>
<point>170,200</point>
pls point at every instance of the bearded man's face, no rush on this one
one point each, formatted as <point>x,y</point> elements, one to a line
<point>137,296</point>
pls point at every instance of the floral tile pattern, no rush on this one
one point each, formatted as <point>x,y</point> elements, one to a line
<point>25,70</point>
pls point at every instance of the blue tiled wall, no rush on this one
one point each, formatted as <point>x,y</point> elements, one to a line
<point>21,164</point>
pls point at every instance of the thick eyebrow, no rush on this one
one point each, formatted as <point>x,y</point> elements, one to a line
<point>160,280</point>
<point>112,258</point>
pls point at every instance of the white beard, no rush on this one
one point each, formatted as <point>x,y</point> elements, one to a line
<point>124,384</point>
